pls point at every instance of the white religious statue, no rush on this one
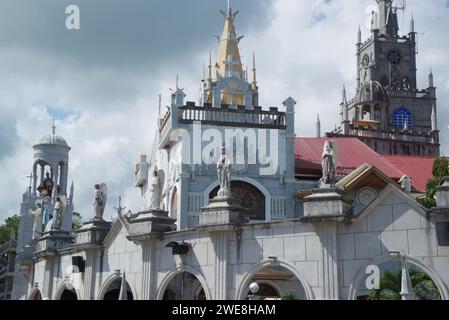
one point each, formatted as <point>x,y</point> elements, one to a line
<point>38,220</point>
<point>224,175</point>
<point>99,200</point>
<point>329,163</point>
<point>156,189</point>
<point>58,214</point>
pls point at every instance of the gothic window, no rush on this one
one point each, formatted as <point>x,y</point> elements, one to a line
<point>400,116</point>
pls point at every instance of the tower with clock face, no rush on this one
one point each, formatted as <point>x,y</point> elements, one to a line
<point>389,112</point>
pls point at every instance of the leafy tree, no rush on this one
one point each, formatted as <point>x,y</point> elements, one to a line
<point>77,222</point>
<point>289,296</point>
<point>439,171</point>
<point>390,286</point>
<point>10,226</point>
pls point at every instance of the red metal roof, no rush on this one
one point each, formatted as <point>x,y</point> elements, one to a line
<point>417,168</point>
<point>352,153</point>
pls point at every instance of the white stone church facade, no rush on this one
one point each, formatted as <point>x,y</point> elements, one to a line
<point>290,236</point>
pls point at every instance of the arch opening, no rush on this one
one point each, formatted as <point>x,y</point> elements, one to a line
<point>184,286</point>
<point>275,282</point>
<point>423,286</point>
<point>113,290</point>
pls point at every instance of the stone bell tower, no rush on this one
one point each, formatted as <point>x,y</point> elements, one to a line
<point>389,112</point>
<point>51,163</point>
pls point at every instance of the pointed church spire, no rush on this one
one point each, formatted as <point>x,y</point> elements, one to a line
<point>210,66</point>
<point>434,117</point>
<point>228,58</point>
<point>412,23</point>
<point>345,106</point>
<point>254,82</point>
<point>431,84</point>
<point>318,126</point>
<point>388,18</point>
<point>359,36</point>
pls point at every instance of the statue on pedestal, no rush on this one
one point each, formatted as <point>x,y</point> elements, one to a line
<point>329,163</point>
<point>99,200</point>
<point>38,220</point>
<point>55,223</point>
<point>156,189</point>
<point>224,175</point>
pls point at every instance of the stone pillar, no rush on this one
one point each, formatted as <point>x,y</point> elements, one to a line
<point>149,284</point>
<point>47,286</point>
<point>89,275</point>
<point>220,242</point>
<point>328,272</point>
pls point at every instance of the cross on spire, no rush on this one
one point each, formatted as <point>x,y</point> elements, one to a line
<point>120,209</point>
<point>30,177</point>
<point>53,127</point>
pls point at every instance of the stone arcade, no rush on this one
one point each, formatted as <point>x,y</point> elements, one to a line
<point>202,236</point>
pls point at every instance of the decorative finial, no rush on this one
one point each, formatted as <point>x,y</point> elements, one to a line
<point>177,82</point>
<point>210,65</point>
<point>53,127</point>
<point>254,69</point>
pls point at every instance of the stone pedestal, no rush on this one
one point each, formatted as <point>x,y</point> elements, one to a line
<point>223,210</point>
<point>442,195</point>
<point>326,204</point>
<point>147,223</point>
<point>92,232</point>
<point>52,241</point>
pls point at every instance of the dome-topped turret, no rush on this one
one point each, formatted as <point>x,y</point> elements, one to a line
<point>372,91</point>
<point>53,139</point>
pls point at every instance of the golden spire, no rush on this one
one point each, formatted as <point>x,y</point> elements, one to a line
<point>228,58</point>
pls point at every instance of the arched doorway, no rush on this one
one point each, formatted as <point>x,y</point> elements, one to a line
<point>249,197</point>
<point>275,283</point>
<point>113,290</point>
<point>423,286</point>
<point>69,295</point>
<point>36,295</point>
<point>184,286</point>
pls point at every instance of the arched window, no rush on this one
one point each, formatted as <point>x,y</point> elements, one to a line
<point>400,116</point>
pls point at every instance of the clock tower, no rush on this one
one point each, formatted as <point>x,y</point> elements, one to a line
<point>390,113</point>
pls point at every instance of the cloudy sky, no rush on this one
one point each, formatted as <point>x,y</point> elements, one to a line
<point>102,82</point>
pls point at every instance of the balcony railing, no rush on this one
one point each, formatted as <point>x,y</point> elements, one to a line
<point>398,136</point>
<point>227,116</point>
